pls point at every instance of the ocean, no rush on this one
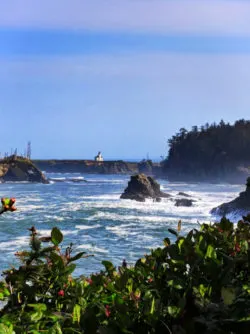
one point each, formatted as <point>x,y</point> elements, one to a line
<point>92,216</point>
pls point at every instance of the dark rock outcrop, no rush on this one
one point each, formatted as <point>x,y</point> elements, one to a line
<point>184,202</point>
<point>241,204</point>
<point>183,194</point>
<point>141,187</point>
<point>18,169</point>
<point>99,167</point>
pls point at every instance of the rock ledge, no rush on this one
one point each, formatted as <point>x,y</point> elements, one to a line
<point>18,169</point>
<point>240,204</point>
<point>141,187</point>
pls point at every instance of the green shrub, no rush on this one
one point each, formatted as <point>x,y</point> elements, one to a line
<point>198,284</point>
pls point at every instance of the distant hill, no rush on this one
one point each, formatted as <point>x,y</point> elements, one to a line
<point>213,152</point>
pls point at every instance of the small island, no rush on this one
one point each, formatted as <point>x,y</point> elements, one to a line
<point>20,169</point>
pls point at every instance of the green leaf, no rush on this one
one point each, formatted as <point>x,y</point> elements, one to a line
<point>175,285</point>
<point>56,236</point>
<point>56,329</point>
<point>56,259</point>
<point>130,285</point>
<point>173,311</point>
<point>77,256</point>
<point>180,242</point>
<point>77,313</point>
<point>6,330</point>
<point>38,307</point>
<point>173,232</point>
<point>69,269</point>
<point>228,295</point>
<point>211,253</point>
<point>166,242</point>
<point>152,306</point>
<point>108,265</point>
<point>203,290</point>
<point>36,316</point>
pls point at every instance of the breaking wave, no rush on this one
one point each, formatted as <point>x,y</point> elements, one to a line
<point>93,217</point>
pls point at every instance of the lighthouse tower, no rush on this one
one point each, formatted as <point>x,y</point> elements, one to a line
<point>99,157</point>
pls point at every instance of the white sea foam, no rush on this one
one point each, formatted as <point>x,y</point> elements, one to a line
<point>54,217</point>
<point>114,181</point>
<point>87,227</point>
<point>121,231</point>
<point>58,178</point>
<point>76,178</point>
<point>135,218</point>
<point>127,228</point>
<point>92,248</point>
<point>14,244</point>
<point>22,206</point>
<point>46,233</point>
<point>102,197</point>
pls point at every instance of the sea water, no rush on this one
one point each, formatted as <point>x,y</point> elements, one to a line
<point>92,216</point>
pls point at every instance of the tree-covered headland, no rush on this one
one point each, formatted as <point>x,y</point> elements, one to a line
<point>211,152</point>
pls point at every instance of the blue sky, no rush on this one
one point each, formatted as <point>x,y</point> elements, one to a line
<point>120,76</point>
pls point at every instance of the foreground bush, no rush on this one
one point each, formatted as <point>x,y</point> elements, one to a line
<point>198,284</point>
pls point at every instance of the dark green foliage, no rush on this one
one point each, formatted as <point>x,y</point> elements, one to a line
<point>248,182</point>
<point>198,284</point>
<point>209,152</point>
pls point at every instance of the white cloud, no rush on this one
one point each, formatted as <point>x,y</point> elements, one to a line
<point>220,17</point>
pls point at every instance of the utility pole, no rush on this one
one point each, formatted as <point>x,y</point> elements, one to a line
<point>29,150</point>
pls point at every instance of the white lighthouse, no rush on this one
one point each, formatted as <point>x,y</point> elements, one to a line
<point>99,157</point>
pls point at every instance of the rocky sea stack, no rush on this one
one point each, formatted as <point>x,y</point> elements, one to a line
<point>241,204</point>
<point>18,169</point>
<point>141,187</point>
<point>184,202</point>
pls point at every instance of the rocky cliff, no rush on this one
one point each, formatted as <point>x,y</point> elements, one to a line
<point>87,166</point>
<point>18,169</point>
<point>241,204</point>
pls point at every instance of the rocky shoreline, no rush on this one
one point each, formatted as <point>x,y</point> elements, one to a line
<point>97,167</point>
<point>130,168</point>
<point>240,205</point>
<point>18,169</point>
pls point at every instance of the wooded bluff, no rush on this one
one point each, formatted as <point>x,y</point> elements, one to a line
<point>216,152</point>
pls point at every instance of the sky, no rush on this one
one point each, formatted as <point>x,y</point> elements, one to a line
<point>119,76</point>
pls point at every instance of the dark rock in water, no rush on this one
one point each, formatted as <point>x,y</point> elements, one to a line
<point>240,204</point>
<point>141,187</point>
<point>135,197</point>
<point>18,169</point>
<point>77,180</point>
<point>158,199</point>
<point>183,194</point>
<point>183,202</point>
